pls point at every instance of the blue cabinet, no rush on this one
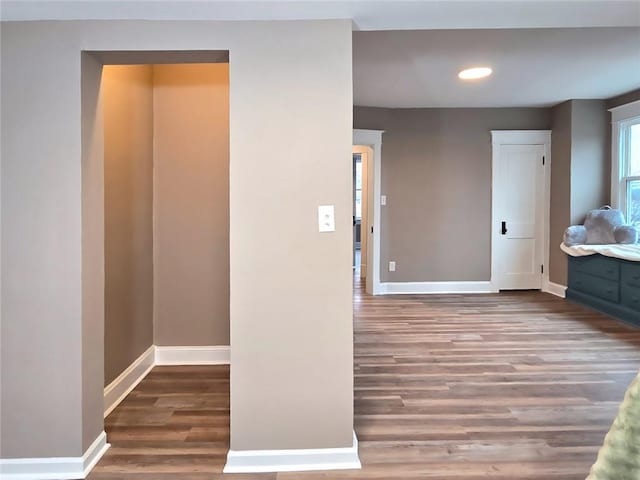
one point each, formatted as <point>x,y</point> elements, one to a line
<point>610,285</point>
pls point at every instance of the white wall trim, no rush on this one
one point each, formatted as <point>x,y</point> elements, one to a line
<point>296,460</point>
<point>554,289</point>
<point>520,137</point>
<point>55,468</point>
<point>196,355</point>
<point>402,288</point>
<point>117,390</point>
<point>94,453</point>
<point>373,139</point>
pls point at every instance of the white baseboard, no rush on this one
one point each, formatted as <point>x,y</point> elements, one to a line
<point>208,355</point>
<point>71,468</point>
<point>398,288</point>
<point>115,392</point>
<point>57,468</point>
<point>554,289</point>
<point>296,460</point>
<point>94,453</point>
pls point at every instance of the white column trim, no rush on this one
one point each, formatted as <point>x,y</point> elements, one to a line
<point>55,468</point>
<point>66,468</point>
<point>193,355</point>
<point>294,460</point>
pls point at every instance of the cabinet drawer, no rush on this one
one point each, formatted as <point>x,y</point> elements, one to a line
<point>598,287</point>
<point>597,265</point>
<point>631,297</point>
<point>631,273</point>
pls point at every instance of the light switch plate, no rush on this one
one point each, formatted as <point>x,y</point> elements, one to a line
<point>326,218</point>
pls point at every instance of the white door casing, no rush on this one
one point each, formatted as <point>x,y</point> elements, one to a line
<point>520,191</point>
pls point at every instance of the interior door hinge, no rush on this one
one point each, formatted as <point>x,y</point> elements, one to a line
<point>543,160</point>
<point>542,269</point>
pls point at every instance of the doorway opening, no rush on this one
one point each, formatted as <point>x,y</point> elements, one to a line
<point>366,157</point>
<point>155,200</point>
<point>521,187</point>
<point>166,208</point>
<point>359,213</point>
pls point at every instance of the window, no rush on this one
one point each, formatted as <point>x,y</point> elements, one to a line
<point>626,161</point>
<point>629,168</point>
<point>357,159</point>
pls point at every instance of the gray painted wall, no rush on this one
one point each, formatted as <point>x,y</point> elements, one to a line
<point>87,419</point>
<point>581,171</point>
<point>191,228</point>
<point>166,160</point>
<point>287,336</point>
<point>590,152</point>
<point>127,94</point>
<point>436,173</point>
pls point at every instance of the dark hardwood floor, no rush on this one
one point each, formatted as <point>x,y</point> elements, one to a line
<point>517,386</point>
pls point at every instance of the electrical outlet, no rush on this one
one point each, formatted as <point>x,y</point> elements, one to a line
<point>383,199</point>
<point>392,266</point>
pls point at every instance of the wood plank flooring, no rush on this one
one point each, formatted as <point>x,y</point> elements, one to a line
<point>517,386</point>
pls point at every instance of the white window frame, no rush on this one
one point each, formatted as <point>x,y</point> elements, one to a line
<point>622,118</point>
<point>355,188</point>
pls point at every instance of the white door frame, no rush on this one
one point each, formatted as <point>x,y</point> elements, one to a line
<point>373,139</point>
<point>520,137</point>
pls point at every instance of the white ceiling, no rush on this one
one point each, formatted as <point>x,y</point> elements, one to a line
<point>366,14</point>
<point>408,53</point>
<point>531,67</point>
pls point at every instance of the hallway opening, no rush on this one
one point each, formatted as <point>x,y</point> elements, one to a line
<point>156,197</point>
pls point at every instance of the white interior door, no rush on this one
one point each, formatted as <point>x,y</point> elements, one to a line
<point>520,183</point>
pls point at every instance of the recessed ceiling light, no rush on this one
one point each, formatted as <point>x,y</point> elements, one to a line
<point>475,73</point>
